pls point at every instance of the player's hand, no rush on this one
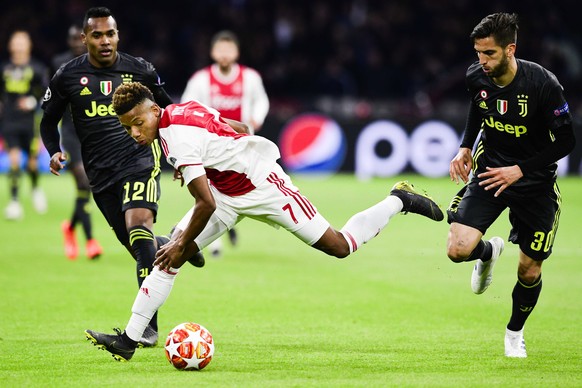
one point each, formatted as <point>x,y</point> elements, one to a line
<point>501,177</point>
<point>461,166</point>
<point>178,176</point>
<point>56,163</point>
<point>169,255</point>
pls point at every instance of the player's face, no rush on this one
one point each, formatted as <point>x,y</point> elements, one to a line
<point>224,53</point>
<point>492,57</point>
<point>141,123</point>
<point>20,44</point>
<point>101,39</point>
<point>75,41</point>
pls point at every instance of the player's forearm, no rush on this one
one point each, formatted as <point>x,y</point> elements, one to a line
<point>237,126</point>
<point>50,134</point>
<point>200,216</point>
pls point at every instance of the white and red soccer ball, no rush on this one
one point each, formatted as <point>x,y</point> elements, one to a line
<point>189,346</point>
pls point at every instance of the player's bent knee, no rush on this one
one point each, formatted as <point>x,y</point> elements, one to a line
<point>338,248</point>
<point>456,255</point>
<point>342,253</point>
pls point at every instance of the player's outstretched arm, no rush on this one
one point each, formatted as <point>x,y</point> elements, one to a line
<point>173,254</point>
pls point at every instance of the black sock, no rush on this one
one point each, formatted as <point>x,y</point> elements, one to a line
<point>33,177</point>
<point>13,178</point>
<point>143,245</point>
<point>125,338</point>
<point>81,213</point>
<point>524,298</point>
<point>482,251</point>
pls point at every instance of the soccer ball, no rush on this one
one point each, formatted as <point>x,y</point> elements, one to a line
<point>189,346</point>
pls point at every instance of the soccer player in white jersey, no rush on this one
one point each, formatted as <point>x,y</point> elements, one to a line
<point>236,91</point>
<point>231,175</point>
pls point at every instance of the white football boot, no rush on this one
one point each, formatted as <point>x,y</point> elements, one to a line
<point>39,201</point>
<point>14,211</point>
<point>483,271</point>
<point>514,344</point>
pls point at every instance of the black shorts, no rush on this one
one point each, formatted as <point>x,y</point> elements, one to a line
<point>21,139</point>
<point>534,216</point>
<point>134,192</point>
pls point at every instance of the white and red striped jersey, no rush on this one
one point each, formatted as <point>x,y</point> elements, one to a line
<point>196,141</point>
<point>239,95</point>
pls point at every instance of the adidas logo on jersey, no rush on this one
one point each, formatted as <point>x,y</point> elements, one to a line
<point>482,105</point>
<point>85,92</point>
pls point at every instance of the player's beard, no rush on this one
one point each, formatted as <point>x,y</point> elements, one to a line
<point>500,69</point>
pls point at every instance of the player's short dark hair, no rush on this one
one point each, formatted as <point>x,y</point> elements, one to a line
<point>96,12</point>
<point>128,96</point>
<point>501,26</point>
<point>224,35</point>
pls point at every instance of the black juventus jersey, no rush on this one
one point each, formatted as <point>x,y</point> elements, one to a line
<point>20,81</point>
<point>518,120</point>
<point>109,153</point>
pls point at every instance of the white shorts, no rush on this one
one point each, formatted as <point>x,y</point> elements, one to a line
<point>276,202</point>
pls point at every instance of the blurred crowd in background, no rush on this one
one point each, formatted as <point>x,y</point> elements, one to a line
<point>415,52</point>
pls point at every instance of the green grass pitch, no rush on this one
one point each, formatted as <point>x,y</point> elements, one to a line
<point>396,313</point>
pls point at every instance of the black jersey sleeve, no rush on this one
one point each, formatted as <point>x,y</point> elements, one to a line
<point>161,96</point>
<point>556,111</point>
<point>54,106</point>
<point>472,127</point>
<point>557,116</point>
<point>153,82</point>
<point>40,80</point>
<point>49,133</point>
<point>563,144</point>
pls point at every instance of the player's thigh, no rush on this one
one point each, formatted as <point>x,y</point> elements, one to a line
<point>215,228</point>
<point>141,192</point>
<point>475,207</point>
<point>109,203</point>
<point>19,136</point>
<point>279,202</point>
<point>534,220</point>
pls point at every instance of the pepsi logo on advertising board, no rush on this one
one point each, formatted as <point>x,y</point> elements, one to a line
<point>312,143</point>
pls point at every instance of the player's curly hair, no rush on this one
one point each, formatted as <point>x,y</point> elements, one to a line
<point>128,96</point>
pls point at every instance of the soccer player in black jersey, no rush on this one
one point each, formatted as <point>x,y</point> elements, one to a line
<point>526,127</point>
<point>72,147</point>
<point>22,82</point>
<point>124,176</point>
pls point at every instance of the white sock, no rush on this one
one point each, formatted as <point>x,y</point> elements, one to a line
<point>153,293</point>
<point>365,225</point>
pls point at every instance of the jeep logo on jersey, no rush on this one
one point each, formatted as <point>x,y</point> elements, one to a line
<point>502,106</point>
<point>106,87</point>
<point>100,110</point>
<point>516,130</point>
